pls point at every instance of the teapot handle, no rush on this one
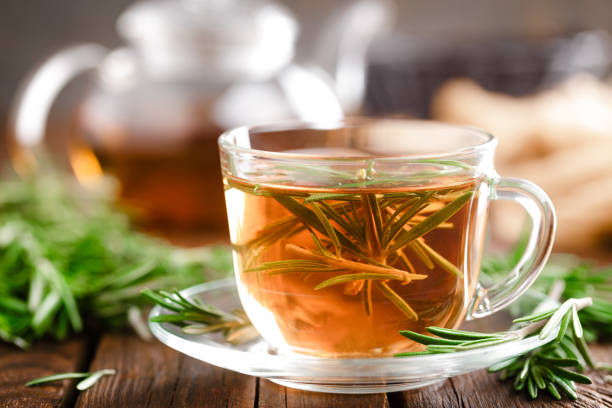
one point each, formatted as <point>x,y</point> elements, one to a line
<point>342,48</point>
<point>28,117</point>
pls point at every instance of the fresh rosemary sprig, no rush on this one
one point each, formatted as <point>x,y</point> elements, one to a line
<point>197,318</point>
<point>545,368</point>
<point>576,277</point>
<point>69,260</point>
<point>89,379</point>
<point>367,239</point>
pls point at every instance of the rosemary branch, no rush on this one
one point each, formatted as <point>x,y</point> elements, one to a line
<point>359,236</point>
<point>539,369</point>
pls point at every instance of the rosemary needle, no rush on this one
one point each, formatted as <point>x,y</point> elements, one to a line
<point>89,378</point>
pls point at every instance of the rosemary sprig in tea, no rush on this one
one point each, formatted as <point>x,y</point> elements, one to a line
<point>366,239</point>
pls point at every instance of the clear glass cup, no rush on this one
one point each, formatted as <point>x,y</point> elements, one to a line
<point>345,233</point>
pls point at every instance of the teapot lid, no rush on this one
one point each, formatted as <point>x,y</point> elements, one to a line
<point>223,39</point>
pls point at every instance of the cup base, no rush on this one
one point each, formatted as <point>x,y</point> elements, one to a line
<point>360,388</point>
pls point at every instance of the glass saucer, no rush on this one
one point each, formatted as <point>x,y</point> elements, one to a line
<point>347,376</point>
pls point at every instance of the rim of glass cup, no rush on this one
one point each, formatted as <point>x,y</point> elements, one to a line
<point>230,140</point>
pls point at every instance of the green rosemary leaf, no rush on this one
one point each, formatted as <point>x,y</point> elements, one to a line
<point>395,228</point>
<point>567,362</point>
<point>281,271</point>
<point>570,375</point>
<point>329,229</point>
<point>424,339</point>
<point>584,350</point>
<point>168,318</point>
<point>571,351</point>
<point>525,370</point>
<point>317,172</point>
<point>45,313</point>
<point>566,388</point>
<point>370,183</point>
<point>301,264</point>
<point>537,377</point>
<point>374,223</point>
<point>13,304</point>
<point>331,196</point>
<point>440,348</point>
<point>161,300</point>
<point>439,259</point>
<point>556,317</point>
<point>431,222</point>
<point>213,319</point>
<point>564,325</point>
<point>93,378</point>
<point>518,383</point>
<point>460,334</point>
<point>553,391</point>
<point>56,377</point>
<point>412,353</point>
<point>576,326</point>
<point>421,254</point>
<point>531,388</point>
<point>354,277</point>
<point>396,300</point>
<point>349,227</point>
<point>310,219</point>
<point>534,317</point>
<point>452,163</point>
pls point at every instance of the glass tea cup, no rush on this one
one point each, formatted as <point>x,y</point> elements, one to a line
<point>345,233</point>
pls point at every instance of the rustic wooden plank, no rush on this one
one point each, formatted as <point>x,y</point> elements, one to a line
<point>150,374</point>
<point>272,395</point>
<point>598,394</point>
<point>437,395</point>
<point>484,390</point>
<point>44,358</point>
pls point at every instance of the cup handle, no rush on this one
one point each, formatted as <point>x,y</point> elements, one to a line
<point>543,224</point>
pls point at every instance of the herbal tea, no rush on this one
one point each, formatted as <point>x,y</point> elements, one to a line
<point>338,272</point>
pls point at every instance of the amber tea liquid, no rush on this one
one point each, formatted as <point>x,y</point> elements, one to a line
<point>339,272</point>
<point>171,187</point>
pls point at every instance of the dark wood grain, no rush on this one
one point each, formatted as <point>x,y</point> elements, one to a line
<point>272,395</point>
<point>150,374</point>
<point>438,395</point>
<point>45,358</point>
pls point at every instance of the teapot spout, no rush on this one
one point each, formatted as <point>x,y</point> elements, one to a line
<point>342,47</point>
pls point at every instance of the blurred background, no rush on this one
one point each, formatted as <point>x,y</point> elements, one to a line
<point>142,97</point>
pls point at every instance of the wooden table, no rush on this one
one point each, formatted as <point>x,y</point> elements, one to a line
<point>152,375</point>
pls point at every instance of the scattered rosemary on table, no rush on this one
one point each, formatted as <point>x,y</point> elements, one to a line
<point>69,260</point>
<point>368,239</point>
<point>89,379</point>
<point>545,368</point>
<point>573,277</point>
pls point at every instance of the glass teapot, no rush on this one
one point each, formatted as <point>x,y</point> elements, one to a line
<point>190,69</point>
